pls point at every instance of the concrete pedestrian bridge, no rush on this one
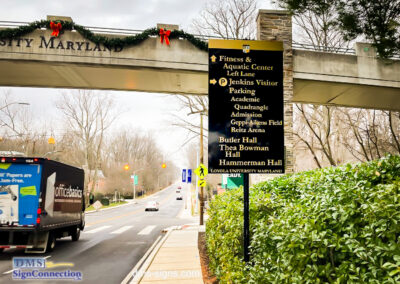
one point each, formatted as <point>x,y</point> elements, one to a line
<point>71,61</point>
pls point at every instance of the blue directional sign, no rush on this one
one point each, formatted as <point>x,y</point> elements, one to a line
<point>189,175</point>
<point>184,175</point>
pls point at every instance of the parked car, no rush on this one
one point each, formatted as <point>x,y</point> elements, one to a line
<point>179,196</point>
<point>152,206</point>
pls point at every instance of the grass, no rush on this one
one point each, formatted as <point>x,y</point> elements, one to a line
<point>90,208</point>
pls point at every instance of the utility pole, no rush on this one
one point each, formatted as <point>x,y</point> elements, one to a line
<point>201,162</point>
<point>201,112</point>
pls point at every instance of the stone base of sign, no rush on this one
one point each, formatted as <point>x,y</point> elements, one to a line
<point>277,25</point>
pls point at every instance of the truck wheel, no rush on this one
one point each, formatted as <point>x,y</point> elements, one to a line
<point>75,234</point>
<point>51,243</point>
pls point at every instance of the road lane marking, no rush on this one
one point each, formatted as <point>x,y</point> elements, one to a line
<point>97,229</point>
<point>163,201</point>
<point>147,230</point>
<point>8,272</point>
<point>121,230</point>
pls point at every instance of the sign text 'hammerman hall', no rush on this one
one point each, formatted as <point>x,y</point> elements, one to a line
<point>245,107</point>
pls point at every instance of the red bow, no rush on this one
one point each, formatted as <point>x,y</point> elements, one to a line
<point>164,35</point>
<point>56,28</point>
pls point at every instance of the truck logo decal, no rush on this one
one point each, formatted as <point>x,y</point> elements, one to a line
<point>68,192</point>
<point>28,190</point>
<point>4,166</point>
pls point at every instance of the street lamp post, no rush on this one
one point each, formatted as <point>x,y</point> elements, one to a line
<point>201,112</point>
<point>15,103</point>
<point>201,162</point>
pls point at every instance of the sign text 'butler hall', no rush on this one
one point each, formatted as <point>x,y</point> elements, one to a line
<point>245,107</point>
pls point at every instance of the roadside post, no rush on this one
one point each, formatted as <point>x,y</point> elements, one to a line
<point>188,187</point>
<point>246,127</point>
<point>201,172</point>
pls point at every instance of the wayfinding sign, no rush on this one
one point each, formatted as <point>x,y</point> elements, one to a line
<point>231,181</point>
<point>184,175</point>
<point>189,175</point>
<point>135,179</point>
<point>245,107</point>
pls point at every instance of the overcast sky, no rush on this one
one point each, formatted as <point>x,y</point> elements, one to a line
<point>149,112</point>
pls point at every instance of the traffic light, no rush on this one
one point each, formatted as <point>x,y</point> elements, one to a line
<point>163,165</point>
<point>126,167</point>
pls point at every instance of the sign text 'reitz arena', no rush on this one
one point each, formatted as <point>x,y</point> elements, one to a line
<point>245,107</point>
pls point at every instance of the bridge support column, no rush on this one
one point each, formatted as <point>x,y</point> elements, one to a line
<point>277,25</point>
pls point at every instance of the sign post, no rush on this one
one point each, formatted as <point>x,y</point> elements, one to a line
<point>246,112</point>
<point>246,218</point>
<point>201,171</point>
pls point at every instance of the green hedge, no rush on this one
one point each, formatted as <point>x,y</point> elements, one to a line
<point>333,225</point>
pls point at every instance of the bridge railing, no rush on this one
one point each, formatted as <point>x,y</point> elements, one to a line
<point>128,32</point>
<point>329,49</point>
<point>100,30</point>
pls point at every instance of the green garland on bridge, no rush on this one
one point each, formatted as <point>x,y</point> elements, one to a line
<point>97,39</point>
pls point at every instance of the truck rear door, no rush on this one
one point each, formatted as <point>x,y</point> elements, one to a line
<point>19,193</point>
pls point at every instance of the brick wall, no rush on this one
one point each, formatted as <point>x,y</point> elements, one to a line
<point>277,25</point>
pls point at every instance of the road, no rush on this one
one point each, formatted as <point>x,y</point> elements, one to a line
<point>113,241</point>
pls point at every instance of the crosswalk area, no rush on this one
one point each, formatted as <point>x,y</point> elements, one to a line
<point>119,230</point>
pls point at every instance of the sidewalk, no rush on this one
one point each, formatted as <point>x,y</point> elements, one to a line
<point>177,260</point>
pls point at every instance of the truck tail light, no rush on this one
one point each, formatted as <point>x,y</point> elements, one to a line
<point>38,220</point>
<point>39,211</point>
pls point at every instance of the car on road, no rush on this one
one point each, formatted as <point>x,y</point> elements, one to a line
<point>152,206</point>
<point>179,196</point>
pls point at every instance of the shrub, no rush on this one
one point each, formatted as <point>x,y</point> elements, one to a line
<point>333,225</point>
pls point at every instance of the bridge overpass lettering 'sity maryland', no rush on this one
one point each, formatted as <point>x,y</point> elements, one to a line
<point>71,61</point>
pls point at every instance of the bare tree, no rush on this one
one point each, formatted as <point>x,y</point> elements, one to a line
<point>371,134</point>
<point>193,105</point>
<point>17,125</point>
<point>227,19</point>
<point>316,31</point>
<point>316,130</point>
<point>88,115</point>
<point>394,126</point>
<point>140,151</point>
<point>316,127</point>
<point>233,19</point>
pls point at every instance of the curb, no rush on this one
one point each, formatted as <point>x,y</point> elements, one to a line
<point>105,209</point>
<point>139,270</point>
<point>129,203</point>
